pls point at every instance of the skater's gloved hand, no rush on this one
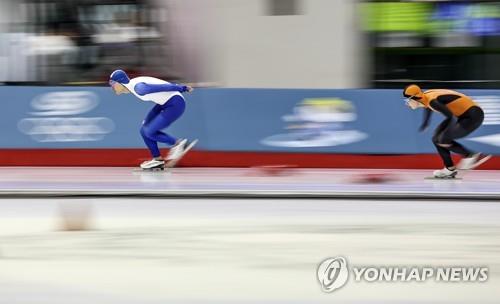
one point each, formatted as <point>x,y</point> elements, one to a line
<point>188,89</point>
<point>423,128</point>
<point>425,122</point>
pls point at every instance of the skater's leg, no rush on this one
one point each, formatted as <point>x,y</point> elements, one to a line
<point>445,155</point>
<point>152,114</point>
<point>444,152</point>
<point>171,112</point>
<point>151,144</point>
<point>151,131</point>
<point>448,137</point>
<point>464,126</point>
<point>460,149</point>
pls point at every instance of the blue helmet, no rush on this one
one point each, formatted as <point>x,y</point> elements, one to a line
<point>119,76</point>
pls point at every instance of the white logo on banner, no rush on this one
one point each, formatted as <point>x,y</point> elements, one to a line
<point>318,122</point>
<point>51,127</point>
<point>64,103</point>
<point>493,139</point>
<point>491,107</point>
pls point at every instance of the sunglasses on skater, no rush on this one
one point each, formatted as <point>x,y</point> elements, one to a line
<point>117,87</point>
<point>413,102</point>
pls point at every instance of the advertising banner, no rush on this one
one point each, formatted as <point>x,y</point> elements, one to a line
<point>253,120</point>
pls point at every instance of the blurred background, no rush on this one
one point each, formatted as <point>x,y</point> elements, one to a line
<point>265,43</point>
<point>81,42</point>
<point>444,42</point>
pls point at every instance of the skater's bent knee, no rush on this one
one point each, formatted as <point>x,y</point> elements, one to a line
<point>444,145</point>
<point>146,131</point>
<point>435,139</point>
<point>441,141</point>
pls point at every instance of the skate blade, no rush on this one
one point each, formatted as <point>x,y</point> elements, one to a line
<point>149,170</point>
<point>443,178</point>
<point>173,162</point>
<point>480,162</point>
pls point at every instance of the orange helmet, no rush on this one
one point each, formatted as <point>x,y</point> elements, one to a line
<point>413,91</point>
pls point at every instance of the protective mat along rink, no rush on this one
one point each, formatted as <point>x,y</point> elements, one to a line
<point>247,182</point>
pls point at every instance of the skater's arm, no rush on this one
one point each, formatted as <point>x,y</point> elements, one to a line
<point>427,118</point>
<point>143,88</point>
<point>441,108</point>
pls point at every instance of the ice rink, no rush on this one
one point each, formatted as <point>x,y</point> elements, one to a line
<point>265,181</point>
<point>179,245</point>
